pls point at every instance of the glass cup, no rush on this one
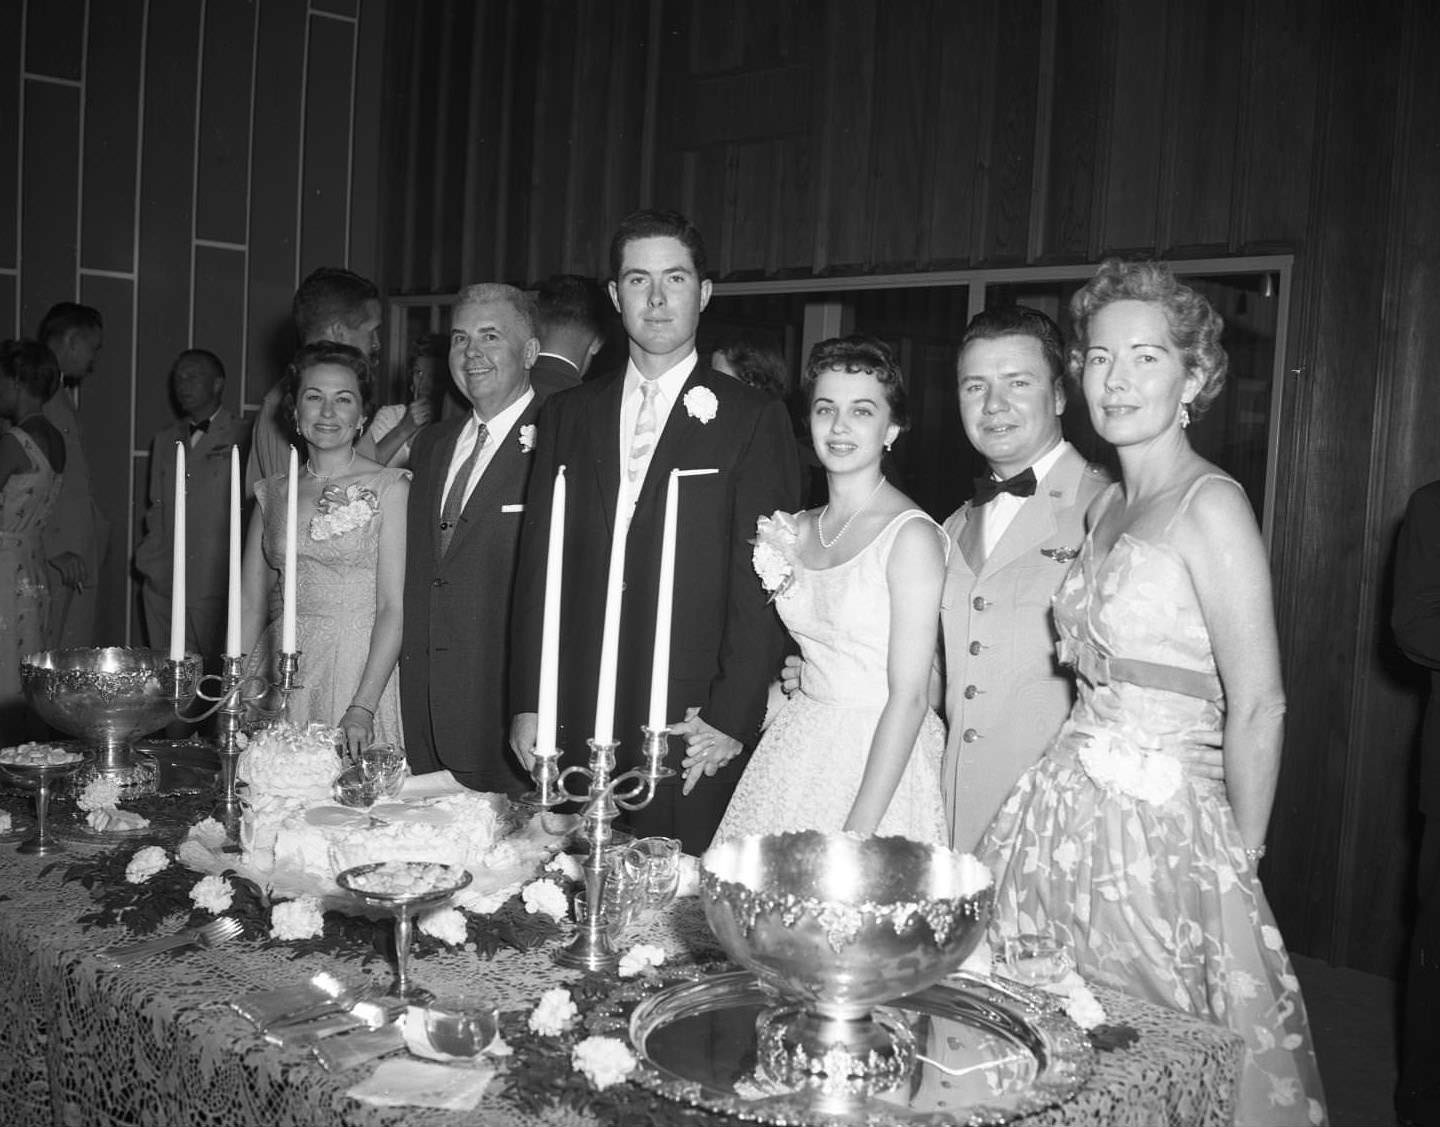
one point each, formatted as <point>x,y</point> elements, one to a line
<point>617,898</point>
<point>653,866</point>
<point>352,787</point>
<point>461,1025</point>
<point>1036,960</point>
<point>385,765</point>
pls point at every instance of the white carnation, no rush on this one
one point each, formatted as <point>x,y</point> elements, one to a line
<point>301,918</point>
<point>209,833</point>
<point>566,865</point>
<point>99,794</point>
<point>446,925</point>
<point>1084,1008</point>
<point>603,1060</point>
<point>639,957</point>
<point>545,896</point>
<point>1116,764</point>
<point>213,894</point>
<point>554,1013</point>
<point>701,403</point>
<point>146,863</point>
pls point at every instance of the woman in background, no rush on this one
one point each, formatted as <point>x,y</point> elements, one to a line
<point>350,556</point>
<point>1144,871</point>
<point>857,583</point>
<point>32,460</point>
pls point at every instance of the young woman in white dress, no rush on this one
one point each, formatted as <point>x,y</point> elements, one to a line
<point>857,583</point>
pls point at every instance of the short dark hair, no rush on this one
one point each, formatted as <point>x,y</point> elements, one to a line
<point>1194,324</point>
<point>653,223</point>
<point>570,301</point>
<point>1020,321</point>
<point>66,315</point>
<point>31,365</point>
<point>329,352</point>
<point>205,356</point>
<point>328,295</point>
<point>759,365</point>
<point>860,353</point>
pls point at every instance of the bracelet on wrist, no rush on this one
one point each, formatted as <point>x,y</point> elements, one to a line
<point>368,711</point>
<point>1255,854</point>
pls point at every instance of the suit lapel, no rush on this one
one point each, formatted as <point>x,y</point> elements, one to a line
<point>441,452</point>
<point>500,472</point>
<point>605,447</point>
<point>971,539</point>
<point>1037,521</point>
<point>680,430</point>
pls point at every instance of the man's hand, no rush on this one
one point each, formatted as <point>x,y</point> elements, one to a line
<point>790,675</point>
<point>1203,754</point>
<point>72,569</point>
<point>524,726</point>
<point>418,413</point>
<point>707,749</point>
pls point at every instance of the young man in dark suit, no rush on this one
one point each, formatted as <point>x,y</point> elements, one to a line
<point>619,437</point>
<point>467,503</point>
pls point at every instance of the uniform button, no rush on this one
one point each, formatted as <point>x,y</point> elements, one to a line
<point>970,735</point>
<point>979,603</point>
<point>437,583</point>
<point>970,691</point>
<point>975,647</point>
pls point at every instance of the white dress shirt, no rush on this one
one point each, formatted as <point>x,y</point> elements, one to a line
<point>669,385</point>
<point>1000,512</point>
<point>497,430</point>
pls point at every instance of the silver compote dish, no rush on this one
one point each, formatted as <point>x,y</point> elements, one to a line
<point>40,775</point>
<point>108,697</point>
<point>843,1016</point>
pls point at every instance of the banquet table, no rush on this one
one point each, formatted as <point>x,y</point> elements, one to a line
<point>84,1044</point>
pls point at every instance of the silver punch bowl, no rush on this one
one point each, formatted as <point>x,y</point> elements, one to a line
<point>107,697</point>
<point>836,925</point>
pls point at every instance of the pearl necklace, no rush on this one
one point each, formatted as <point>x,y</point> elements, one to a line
<point>330,476</point>
<point>844,528</point>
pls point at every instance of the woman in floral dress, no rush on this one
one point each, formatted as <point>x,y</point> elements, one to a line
<point>857,583</point>
<point>1143,869</point>
<point>350,556</point>
<point>32,458</point>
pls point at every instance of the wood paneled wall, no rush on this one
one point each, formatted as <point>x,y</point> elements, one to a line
<point>181,163</point>
<point>860,136</point>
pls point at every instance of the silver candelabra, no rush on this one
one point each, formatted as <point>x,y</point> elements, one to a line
<point>604,797</point>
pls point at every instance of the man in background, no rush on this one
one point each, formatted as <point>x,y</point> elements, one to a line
<point>572,331</point>
<point>77,533</point>
<point>208,430</point>
<point>331,304</point>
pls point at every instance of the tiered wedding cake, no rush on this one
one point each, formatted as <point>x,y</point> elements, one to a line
<point>293,832</point>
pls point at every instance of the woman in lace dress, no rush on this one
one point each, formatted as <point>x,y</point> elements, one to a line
<point>32,458</point>
<point>1110,843</point>
<point>857,583</point>
<point>350,556</point>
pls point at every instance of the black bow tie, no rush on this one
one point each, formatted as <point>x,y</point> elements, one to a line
<point>70,381</point>
<point>987,488</point>
<point>201,427</point>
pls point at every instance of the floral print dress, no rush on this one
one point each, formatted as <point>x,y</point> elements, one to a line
<point>336,571</point>
<point>1108,845</point>
<point>25,506</point>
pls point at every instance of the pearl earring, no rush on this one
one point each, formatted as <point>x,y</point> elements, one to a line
<point>1184,416</point>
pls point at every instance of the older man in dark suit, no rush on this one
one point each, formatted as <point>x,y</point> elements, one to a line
<point>620,436</point>
<point>466,508</point>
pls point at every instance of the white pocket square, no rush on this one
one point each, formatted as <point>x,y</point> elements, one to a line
<point>512,508</point>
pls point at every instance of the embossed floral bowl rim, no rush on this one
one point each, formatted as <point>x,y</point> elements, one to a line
<point>844,922</point>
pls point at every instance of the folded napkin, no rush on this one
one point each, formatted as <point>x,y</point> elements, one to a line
<point>413,1083</point>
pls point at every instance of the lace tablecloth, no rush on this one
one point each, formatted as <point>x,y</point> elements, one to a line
<point>154,1044</point>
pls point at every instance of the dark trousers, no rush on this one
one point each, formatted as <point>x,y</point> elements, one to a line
<point>1417,1096</point>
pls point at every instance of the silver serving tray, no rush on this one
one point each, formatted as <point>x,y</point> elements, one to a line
<point>988,1054</point>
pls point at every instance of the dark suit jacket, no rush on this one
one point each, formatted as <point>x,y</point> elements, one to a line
<point>1416,621</point>
<point>727,640</point>
<point>551,374</point>
<point>454,654</point>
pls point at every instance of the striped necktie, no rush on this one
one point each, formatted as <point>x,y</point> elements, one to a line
<point>643,444</point>
<point>455,498</point>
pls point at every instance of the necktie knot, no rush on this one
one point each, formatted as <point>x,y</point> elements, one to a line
<point>987,488</point>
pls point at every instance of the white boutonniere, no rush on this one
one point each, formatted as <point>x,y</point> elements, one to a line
<point>701,403</point>
<point>527,438</point>
<point>342,511</point>
<point>774,557</point>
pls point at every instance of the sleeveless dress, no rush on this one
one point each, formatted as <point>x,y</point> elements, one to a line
<point>1109,846</point>
<point>334,607</point>
<point>25,505</point>
<point>806,770</point>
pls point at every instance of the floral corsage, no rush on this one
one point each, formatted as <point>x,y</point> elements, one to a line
<point>1120,765</point>
<point>774,557</point>
<point>342,511</point>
